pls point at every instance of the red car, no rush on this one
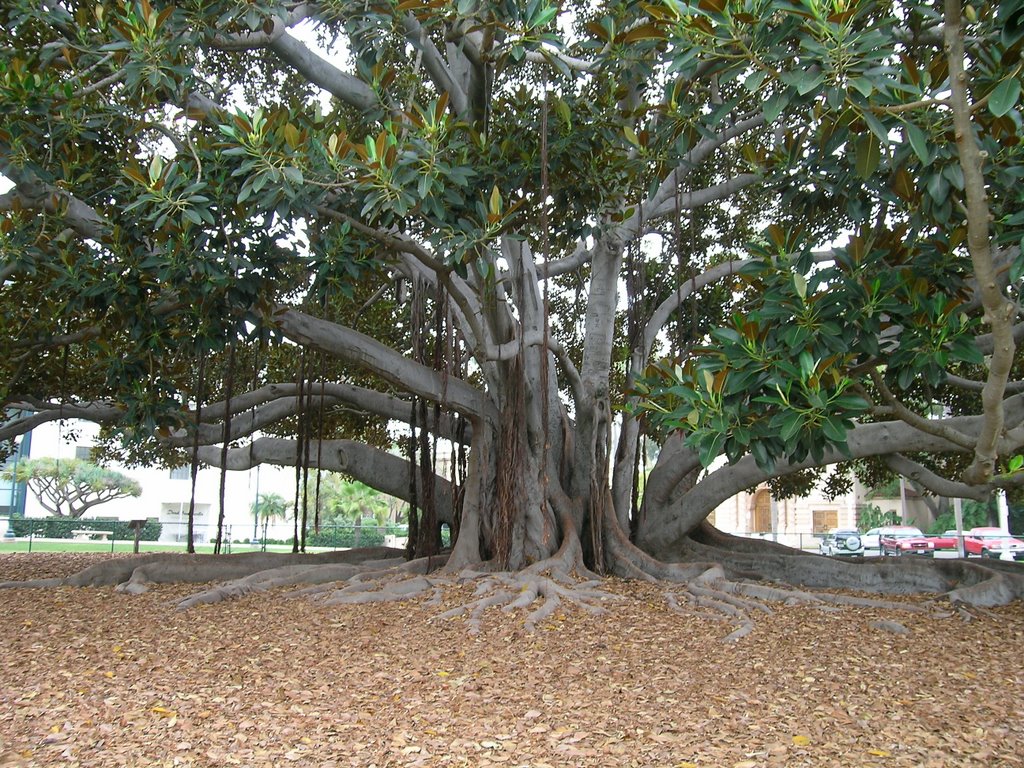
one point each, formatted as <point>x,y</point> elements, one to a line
<point>993,542</point>
<point>946,540</point>
<point>899,540</point>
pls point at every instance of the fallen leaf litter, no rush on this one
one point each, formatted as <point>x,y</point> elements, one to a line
<point>93,678</point>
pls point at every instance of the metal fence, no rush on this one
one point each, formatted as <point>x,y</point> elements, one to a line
<point>103,536</point>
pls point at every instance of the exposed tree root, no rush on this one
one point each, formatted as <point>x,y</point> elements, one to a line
<point>523,589</point>
<point>713,596</point>
<point>712,581</point>
<point>890,626</point>
<point>133,574</point>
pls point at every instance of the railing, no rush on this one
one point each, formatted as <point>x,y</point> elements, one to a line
<point>174,538</point>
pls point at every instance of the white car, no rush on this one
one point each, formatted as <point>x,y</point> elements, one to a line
<point>871,539</point>
<point>842,542</point>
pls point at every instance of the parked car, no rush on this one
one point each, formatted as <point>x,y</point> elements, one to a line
<point>945,540</point>
<point>993,542</point>
<point>899,540</point>
<point>870,538</point>
<point>841,542</point>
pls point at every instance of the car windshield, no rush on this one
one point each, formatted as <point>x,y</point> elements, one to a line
<point>906,534</point>
<point>996,535</point>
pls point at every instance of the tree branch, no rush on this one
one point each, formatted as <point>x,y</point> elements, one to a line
<point>999,312</point>
<point>32,194</point>
<point>436,67</point>
<point>322,73</point>
<point>915,419</point>
<point>255,410</point>
<point>378,469</point>
<point>351,346</point>
<point>940,486</point>
<point>688,509</point>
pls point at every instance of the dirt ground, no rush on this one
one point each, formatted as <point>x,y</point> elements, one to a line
<point>90,677</point>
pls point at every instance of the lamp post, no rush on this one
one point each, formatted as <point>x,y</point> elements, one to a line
<point>256,516</point>
<point>14,480</point>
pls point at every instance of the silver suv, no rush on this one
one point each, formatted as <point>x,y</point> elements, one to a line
<point>842,542</point>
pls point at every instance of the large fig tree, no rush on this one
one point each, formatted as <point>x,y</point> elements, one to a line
<point>780,233</point>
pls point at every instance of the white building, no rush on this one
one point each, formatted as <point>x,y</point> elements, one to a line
<point>166,494</point>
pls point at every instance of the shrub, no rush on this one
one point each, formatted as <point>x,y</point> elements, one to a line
<point>346,536</point>
<point>62,527</point>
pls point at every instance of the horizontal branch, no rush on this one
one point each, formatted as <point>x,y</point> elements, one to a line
<point>940,486</point>
<point>322,73</point>
<point>686,510</point>
<point>34,414</point>
<point>256,410</point>
<point>31,194</point>
<point>931,426</point>
<point>378,469</point>
<point>359,349</point>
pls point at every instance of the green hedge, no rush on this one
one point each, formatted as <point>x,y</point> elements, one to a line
<point>61,528</point>
<point>349,536</point>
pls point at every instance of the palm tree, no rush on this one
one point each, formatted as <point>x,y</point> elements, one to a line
<point>267,507</point>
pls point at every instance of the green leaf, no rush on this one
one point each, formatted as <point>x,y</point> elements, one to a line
<point>918,142</point>
<point>868,154</point>
<point>156,167</point>
<point>774,106</point>
<point>833,429</point>
<point>1004,96</point>
<point>863,85</point>
<point>806,364</point>
<point>1016,463</point>
<point>800,284</point>
<point>710,448</point>
<point>809,81</point>
<point>754,80</point>
<point>791,426</point>
<point>877,128</point>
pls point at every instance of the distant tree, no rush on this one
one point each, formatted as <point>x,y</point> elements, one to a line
<point>70,487</point>
<point>344,502</point>
<point>872,516</point>
<point>267,507</point>
<point>975,514</point>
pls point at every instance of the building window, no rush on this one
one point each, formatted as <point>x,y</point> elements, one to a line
<point>181,473</point>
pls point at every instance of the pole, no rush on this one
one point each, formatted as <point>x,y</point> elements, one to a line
<point>903,500</point>
<point>256,517</point>
<point>958,515</point>
<point>1004,511</point>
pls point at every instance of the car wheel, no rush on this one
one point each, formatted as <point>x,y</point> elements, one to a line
<point>898,553</point>
<point>985,553</point>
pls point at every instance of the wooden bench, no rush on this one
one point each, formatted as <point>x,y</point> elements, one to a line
<point>90,535</point>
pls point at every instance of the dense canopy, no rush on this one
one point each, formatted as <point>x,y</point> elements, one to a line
<point>557,237</point>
